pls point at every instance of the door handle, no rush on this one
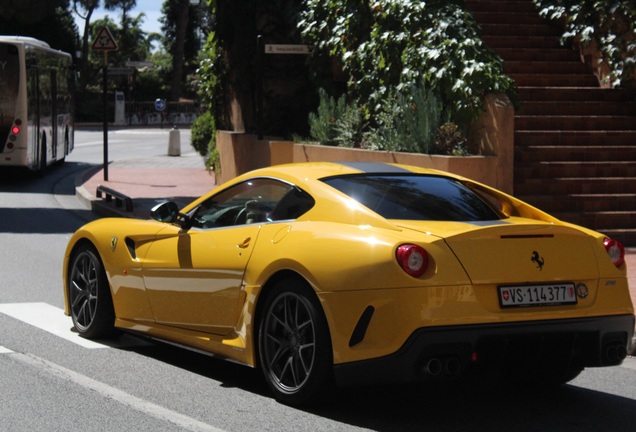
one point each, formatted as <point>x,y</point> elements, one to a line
<point>245,243</point>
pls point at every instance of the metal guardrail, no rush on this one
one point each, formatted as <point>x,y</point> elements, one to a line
<point>120,199</point>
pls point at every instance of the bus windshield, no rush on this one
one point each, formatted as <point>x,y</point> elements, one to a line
<point>9,83</point>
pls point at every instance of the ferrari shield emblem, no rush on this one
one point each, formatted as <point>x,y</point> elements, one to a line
<point>113,243</point>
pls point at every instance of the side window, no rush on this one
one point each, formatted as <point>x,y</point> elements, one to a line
<point>252,201</point>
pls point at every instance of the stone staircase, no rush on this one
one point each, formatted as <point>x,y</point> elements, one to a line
<point>575,142</point>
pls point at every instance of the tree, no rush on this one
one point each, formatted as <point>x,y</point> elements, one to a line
<point>129,35</point>
<point>181,25</point>
<point>229,68</point>
<point>84,9</point>
<point>47,20</point>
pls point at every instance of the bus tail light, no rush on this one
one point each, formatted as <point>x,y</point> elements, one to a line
<point>16,126</point>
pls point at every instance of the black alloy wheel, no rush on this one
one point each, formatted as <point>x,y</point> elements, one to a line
<point>90,299</point>
<point>294,344</point>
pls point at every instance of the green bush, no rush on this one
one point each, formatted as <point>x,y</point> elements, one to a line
<point>322,124</point>
<point>390,44</point>
<point>406,121</point>
<point>409,121</point>
<point>203,136</point>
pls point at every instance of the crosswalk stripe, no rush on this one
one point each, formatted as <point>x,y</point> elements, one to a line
<point>128,400</point>
<point>48,318</point>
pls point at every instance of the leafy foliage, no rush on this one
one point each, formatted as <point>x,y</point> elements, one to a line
<point>609,23</point>
<point>450,141</point>
<point>203,139</point>
<point>406,121</point>
<point>203,133</point>
<point>393,44</point>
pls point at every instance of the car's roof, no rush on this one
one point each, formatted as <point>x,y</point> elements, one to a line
<point>300,173</point>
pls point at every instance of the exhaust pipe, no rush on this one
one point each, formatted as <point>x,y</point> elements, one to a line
<point>453,366</point>
<point>615,353</point>
<point>433,367</point>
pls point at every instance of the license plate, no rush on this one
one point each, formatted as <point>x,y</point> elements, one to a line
<point>537,295</point>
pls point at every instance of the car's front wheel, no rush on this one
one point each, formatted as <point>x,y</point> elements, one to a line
<point>90,299</point>
<point>294,344</point>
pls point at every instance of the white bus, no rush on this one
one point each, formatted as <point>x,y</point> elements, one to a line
<point>36,103</point>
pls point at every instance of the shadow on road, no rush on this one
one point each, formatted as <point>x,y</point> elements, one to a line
<point>433,407</point>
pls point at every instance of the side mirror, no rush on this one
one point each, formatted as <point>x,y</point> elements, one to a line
<point>167,212</point>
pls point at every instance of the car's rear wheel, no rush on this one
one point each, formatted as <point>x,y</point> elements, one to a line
<point>294,344</point>
<point>90,299</point>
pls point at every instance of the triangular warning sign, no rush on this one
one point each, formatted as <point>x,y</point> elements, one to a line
<point>104,41</point>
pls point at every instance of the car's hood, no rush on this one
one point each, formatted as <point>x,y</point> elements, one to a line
<point>517,250</point>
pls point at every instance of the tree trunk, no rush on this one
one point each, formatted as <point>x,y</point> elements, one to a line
<point>178,58</point>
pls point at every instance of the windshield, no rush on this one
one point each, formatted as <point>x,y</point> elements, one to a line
<point>415,197</point>
<point>9,82</point>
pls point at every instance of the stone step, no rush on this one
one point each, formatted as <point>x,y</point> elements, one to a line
<point>584,202</point>
<point>589,141</point>
<point>533,54</point>
<point>555,80</point>
<point>526,42</point>
<point>545,67</point>
<point>601,221</point>
<point>548,170</point>
<point>527,93</point>
<point>518,6</point>
<point>545,29</point>
<point>574,185</point>
<point>507,17</point>
<point>579,153</point>
<point>573,122</point>
<point>593,108</point>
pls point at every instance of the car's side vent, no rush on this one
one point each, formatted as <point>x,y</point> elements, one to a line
<point>130,244</point>
<point>361,328</point>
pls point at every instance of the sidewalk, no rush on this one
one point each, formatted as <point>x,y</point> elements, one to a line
<point>147,182</point>
<point>182,179</point>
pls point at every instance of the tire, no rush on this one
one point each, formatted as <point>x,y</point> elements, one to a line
<point>294,345</point>
<point>89,295</point>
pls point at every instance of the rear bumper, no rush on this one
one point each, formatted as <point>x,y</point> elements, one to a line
<point>440,353</point>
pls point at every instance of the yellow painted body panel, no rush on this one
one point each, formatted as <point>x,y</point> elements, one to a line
<point>202,288</point>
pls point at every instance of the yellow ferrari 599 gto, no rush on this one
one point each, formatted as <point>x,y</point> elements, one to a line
<point>347,273</point>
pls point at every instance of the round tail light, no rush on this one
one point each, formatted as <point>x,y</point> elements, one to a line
<point>615,250</point>
<point>412,258</point>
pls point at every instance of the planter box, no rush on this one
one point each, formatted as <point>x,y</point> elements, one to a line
<point>493,131</point>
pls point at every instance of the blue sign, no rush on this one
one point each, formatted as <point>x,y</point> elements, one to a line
<point>160,104</point>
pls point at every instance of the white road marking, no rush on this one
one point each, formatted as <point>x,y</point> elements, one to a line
<point>629,363</point>
<point>126,399</point>
<point>4,350</point>
<point>48,318</point>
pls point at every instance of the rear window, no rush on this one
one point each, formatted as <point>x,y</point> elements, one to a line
<point>415,197</point>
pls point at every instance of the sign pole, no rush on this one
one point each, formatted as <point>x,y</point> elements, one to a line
<point>105,42</point>
<point>105,114</point>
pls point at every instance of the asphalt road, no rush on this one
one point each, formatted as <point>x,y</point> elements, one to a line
<point>52,380</point>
